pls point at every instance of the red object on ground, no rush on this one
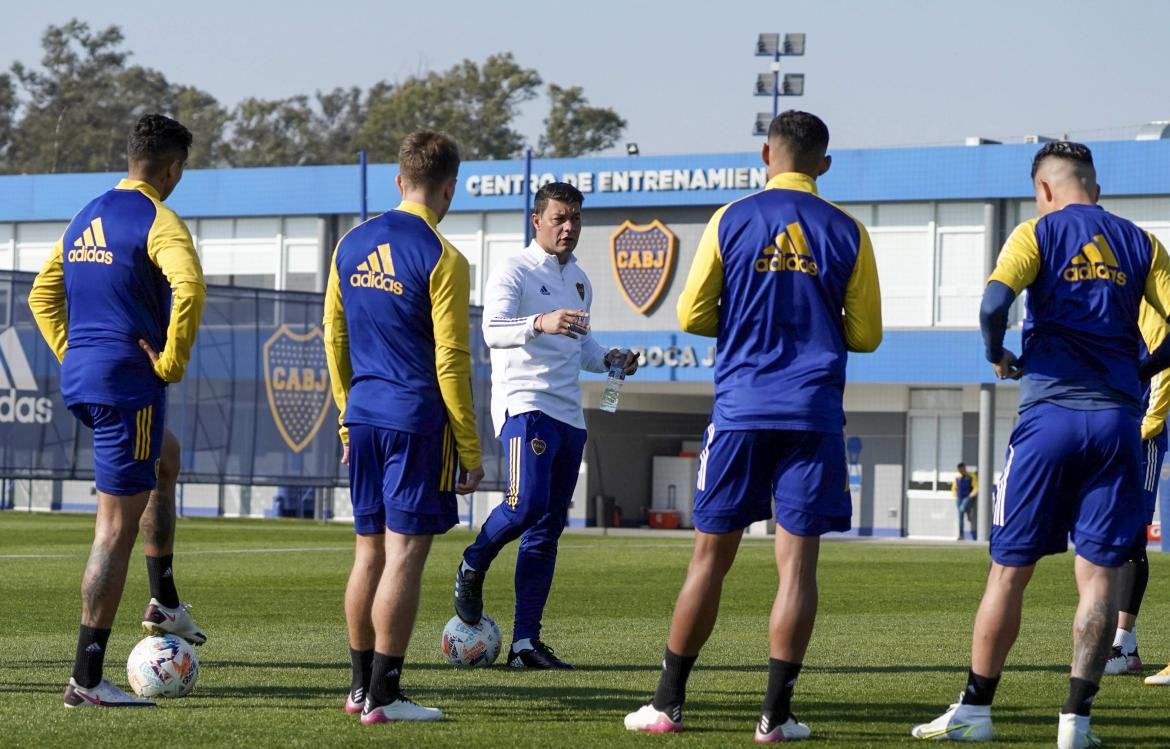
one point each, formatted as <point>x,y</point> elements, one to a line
<point>1154,532</point>
<point>666,519</point>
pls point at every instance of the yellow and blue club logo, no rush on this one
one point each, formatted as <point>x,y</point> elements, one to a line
<point>296,376</point>
<point>643,259</point>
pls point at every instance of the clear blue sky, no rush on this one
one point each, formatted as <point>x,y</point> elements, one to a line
<point>880,72</point>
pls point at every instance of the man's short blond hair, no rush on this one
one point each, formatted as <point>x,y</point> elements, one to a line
<point>428,159</point>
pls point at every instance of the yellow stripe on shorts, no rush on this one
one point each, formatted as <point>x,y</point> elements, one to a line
<point>445,484</point>
<point>138,434</point>
<point>142,423</point>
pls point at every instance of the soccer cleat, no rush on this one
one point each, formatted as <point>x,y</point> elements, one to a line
<point>1123,663</point>
<point>649,719</point>
<point>469,595</point>
<point>959,723</point>
<point>104,694</point>
<point>538,656</point>
<point>789,730</point>
<point>163,620</point>
<point>1073,732</point>
<point>397,709</point>
<point>1160,679</point>
<point>355,700</point>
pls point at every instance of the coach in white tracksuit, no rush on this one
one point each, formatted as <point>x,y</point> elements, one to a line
<point>536,313</point>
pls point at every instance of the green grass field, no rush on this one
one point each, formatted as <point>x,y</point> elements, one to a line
<point>890,647</point>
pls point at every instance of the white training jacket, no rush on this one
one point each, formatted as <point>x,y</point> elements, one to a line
<point>537,371</point>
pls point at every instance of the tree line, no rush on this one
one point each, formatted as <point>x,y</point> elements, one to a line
<point>73,113</point>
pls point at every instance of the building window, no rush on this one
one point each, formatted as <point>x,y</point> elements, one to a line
<point>263,253</point>
<point>903,258</point>
<point>936,438</point>
<point>959,290</point>
<point>34,242</point>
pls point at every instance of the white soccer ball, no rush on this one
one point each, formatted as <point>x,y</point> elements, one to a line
<point>163,666</point>
<point>471,645</point>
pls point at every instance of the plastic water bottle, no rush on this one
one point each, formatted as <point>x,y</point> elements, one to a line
<point>613,386</point>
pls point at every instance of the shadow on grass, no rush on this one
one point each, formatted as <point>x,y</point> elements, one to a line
<point>762,667</point>
<point>33,687</point>
<point>909,668</point>
<point>14,665</point>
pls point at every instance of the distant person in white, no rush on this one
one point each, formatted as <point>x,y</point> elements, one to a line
<point>536,322</point>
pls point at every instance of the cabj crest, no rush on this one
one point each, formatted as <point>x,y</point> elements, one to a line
<point>296,376</point>
<point>643,259</point>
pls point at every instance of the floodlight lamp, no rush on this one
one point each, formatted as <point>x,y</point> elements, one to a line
<point>765,84</point>
<point>793,84</point>
<point>767,45</point>
<point>793,44</point>
<point>763,122</point>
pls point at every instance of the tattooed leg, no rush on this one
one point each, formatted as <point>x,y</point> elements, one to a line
<point>1095,619</point>
<point>115,529</point>
<point>158,521</point>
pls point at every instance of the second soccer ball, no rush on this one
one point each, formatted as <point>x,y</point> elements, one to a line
<point>471,645</point>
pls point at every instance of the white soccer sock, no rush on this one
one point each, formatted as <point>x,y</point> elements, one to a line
<point>1126,640</point>
<point>525,644</point>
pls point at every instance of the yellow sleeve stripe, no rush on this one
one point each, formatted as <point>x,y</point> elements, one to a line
<point>862,318</point>
<point>1019,260</point>
<point>1157,290</point>
<point>698,304</point>
<point>337,345</point>
<point>46,300</point>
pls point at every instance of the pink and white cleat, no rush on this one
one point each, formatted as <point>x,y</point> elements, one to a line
<point>789,730</point>
<point>399,709</point>
<point>163,620</point>
<point>355,701</point>
<point>1121,664</point>
<point>105,694</point>
<point>648,719</point>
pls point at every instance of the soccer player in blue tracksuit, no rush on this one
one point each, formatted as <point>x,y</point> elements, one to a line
<point>399,352</point>
<point>536,310</point>
<point>787,283</point>
<point>964,487</point>
<point>1072,461</point>
<point>119,302</point>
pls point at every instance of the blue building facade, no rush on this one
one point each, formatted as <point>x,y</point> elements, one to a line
<point>937,217</point>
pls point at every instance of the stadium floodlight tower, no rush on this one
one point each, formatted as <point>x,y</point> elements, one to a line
<point>770,84</point>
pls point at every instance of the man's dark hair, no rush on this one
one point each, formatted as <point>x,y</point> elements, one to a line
<point>1078,153</point>
<point>805,136</point>
<point>961,465</point>
<point>428,159</point>
<point>156,141</point>
<point>561,191</point>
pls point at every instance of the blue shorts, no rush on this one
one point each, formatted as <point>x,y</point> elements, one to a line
<point>127,443</point>
<point>743,474</point>
<point>1150,466</point>
<point>402,481</point>
<point>1068,472</point>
